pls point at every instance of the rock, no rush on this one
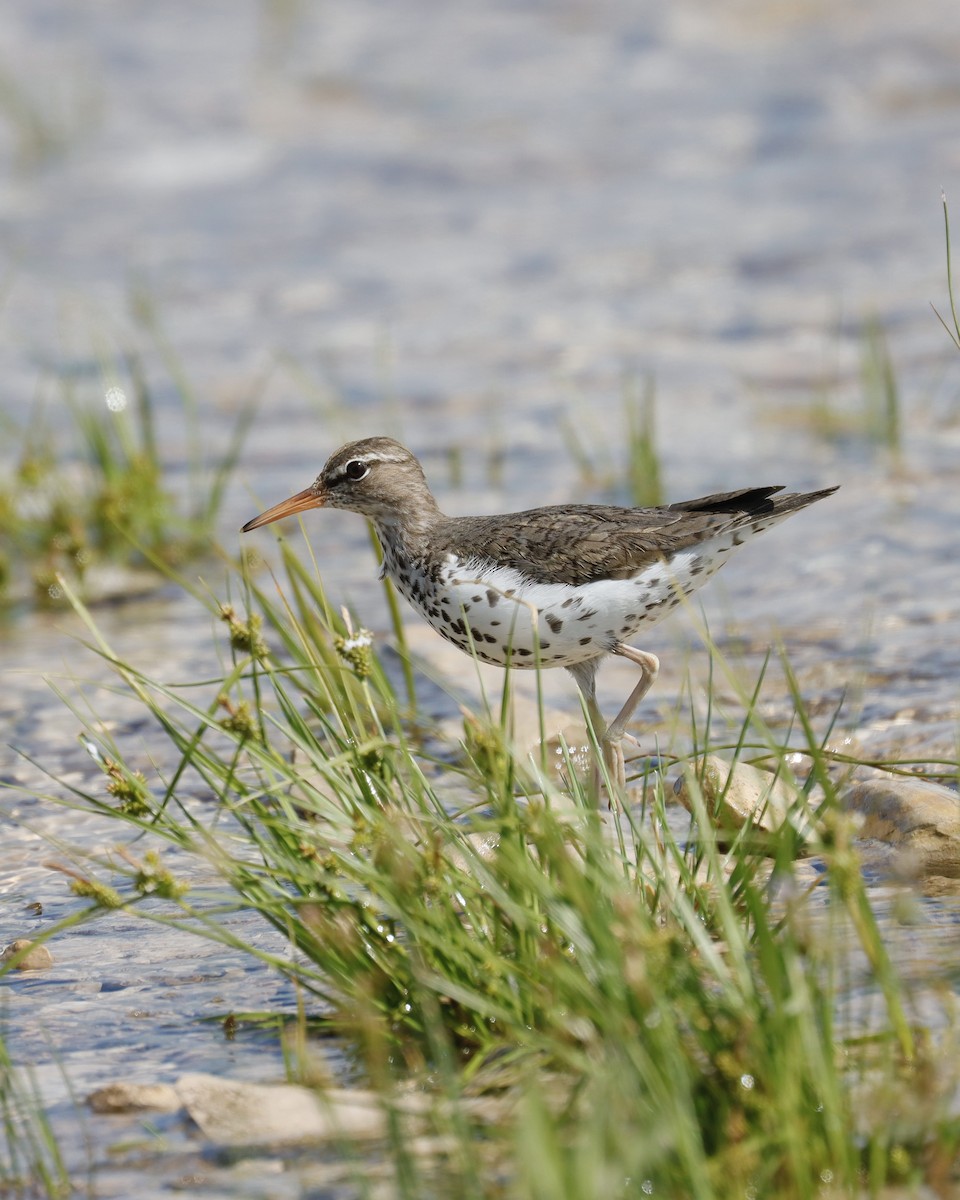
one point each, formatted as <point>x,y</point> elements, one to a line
<point>737,794</point>
<point>36,958</point>
<point>232,1113</point>
<point>134,1097</point>
<point>918,818</point>
<point>940,887</point>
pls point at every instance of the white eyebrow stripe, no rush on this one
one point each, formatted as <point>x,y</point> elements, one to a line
<point>369,457</point>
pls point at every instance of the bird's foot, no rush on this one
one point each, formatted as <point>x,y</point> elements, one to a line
<point>609,774</point>
<point>613,768</point>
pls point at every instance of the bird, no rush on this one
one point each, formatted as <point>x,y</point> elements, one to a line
<point>559,586</point>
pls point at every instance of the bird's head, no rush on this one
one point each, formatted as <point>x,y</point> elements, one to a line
<point>376,477</point>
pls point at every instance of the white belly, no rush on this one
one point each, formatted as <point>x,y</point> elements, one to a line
<point>501,616</point>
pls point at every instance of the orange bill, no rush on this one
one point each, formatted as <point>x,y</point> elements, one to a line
<point>308,498</point>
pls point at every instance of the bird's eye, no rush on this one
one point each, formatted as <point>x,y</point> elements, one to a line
<point>355,470</point>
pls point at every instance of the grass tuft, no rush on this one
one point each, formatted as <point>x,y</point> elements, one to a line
<point>643,459</point>
<point>881,392</point>
<point>101,494</point>
<point>954,332</point>
<point>868,419</point>
<point>642,473</point>
<point>634,1007</point>
<point>46,120</point>
<point>30,1160</point>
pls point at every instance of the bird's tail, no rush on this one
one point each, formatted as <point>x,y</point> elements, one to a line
<point>748,504</point>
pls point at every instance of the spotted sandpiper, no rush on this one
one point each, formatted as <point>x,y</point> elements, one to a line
<point>550,587</point>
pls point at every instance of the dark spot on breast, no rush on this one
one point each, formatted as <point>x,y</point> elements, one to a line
<point>585,641</point>
<point>494,623</point>
<point>554,622</point>
<point>476,599</point>
<point>493,598</point>
<point>488,637</point>
<point>569,600</point>
<point>544,645</point>
<point>525,653</point>
<point>585,616</point>
<point>631,616</point>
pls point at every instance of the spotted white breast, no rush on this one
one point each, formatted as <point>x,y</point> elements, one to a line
<point>503,615</point>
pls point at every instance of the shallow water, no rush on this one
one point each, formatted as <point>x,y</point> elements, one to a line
<point>463,225</point>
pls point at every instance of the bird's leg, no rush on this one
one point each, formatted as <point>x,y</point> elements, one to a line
<point>610,736</point>
<point>585,674</point>
<point>649,666</point>
<point>614,733</point>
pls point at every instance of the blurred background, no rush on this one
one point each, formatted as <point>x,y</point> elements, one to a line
<point>471,223</point>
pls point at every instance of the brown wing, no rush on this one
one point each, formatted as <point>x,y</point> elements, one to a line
<point>583,542</point>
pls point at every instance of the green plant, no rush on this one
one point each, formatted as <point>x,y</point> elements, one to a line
<point>873,415</point>
<point>633,1004</point>
<point>30,1159</point>
<point>642,471</point>
<point>102,493</point>
<point>45,121</point>
<point>954,333</point>
<point>882,418</point>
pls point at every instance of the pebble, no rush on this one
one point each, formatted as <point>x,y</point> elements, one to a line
<point>35,959</point>
<point>909,826</point>
<point>230,1112</point>
<point>918,818</point>
<point>124,1097</point>
<point>738,794</point>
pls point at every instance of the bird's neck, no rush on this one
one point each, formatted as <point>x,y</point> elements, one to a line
<point>406,530</point>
